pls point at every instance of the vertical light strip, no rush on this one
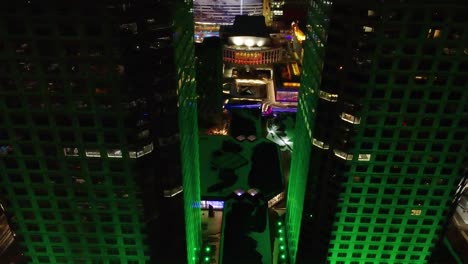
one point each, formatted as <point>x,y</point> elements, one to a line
<point>188,125</point>
<point>305,119</point>
<point>297,184</point>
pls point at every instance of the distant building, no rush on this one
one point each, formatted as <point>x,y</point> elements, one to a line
<point>249,43</point>
<point>253,58</point>
<point>223,12</point>
<point>287,82</point>
<point>209,15</point>
<point>276,9</point>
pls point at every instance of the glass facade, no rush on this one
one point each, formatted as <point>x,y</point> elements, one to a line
<point>382,190</point>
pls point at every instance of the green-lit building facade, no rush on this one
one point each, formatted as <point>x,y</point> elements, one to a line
<point>383,112</point>
<point>97,105</point>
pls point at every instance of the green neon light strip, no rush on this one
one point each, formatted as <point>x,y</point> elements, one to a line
<point>188,124</point>
<point>191,172</point>
<point>297,185</point>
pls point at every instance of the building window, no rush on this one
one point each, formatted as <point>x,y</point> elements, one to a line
<point>364,157</point>
<point>71,152</point>
<point>328,96</point>
<point>367,29</point>
<point>342,155</point>
<point>320,144</point>
<point>350,118</point>
<point>346,156</point>
<point>93,153</point>
<point>415,212</point>
<point>173,192</point>
<point>143,151</point>
<point>114,153</point>
<point>433,33</point>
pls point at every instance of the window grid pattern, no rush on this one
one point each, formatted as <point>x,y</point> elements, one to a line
<point>60,86</point>
<point>392,208</point>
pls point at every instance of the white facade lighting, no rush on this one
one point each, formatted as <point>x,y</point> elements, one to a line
<point>249,42</point>
<point>328,96</point>
<point>238,41</point>
<point>343,155</point>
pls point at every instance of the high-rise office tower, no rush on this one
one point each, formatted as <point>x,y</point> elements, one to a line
<point>210,15</point>
<point>381,130</point>
<point>97,104</point>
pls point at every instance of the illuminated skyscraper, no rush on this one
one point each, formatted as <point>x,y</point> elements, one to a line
<point>93,96</point>
<point>223,12</point>
<point>209,15</point>
<point>381,130</point>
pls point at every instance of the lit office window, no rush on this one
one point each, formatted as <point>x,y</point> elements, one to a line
<point>114,153</point>
<point>92,153</point>
<point>368,29</point>
<point>141,152</point>
<point>145,150</point>
<point>415,212</point>
<point>364,157</point>
<point>350,118</point>
<point>320,144</point>
<point>420,77</point>
<point>278,12</point>
<point>276,199</point>
<point>433,33</point>
<point>346,156</point>
<point>328,96</point>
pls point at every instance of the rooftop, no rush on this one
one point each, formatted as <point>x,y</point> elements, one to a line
<point>230,166</point>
